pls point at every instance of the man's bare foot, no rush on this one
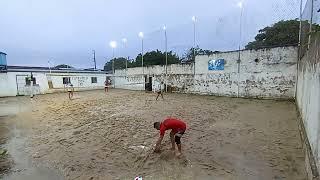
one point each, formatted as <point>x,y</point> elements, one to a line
<point>178,154</point>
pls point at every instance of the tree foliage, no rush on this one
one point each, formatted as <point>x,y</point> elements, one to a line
<point>119,63</point>
<point>63,66</point>
<point>279,34</point>
<point>189,56</point>
<point>150,58</point>
<point>155,58</point>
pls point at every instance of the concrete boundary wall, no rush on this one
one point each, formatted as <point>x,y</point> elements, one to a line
<point>308,103</point>
<point>263,73</point>
<point>133,79</point>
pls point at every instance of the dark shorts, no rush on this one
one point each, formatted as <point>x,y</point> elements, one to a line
<point>178,135</point>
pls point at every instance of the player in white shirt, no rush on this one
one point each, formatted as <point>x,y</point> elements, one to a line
<point>70,90</point>
<point>160,90</point>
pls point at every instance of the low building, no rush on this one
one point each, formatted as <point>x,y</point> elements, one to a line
<point>23,80</point>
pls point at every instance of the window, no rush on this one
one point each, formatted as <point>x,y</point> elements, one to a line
<point>28,81</point>
<point>94,80</point>
<point>66,80</point>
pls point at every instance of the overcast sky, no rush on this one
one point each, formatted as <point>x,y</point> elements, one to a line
<point>66,31</point>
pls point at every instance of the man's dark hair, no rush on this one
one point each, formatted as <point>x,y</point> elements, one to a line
<point>156,124</point>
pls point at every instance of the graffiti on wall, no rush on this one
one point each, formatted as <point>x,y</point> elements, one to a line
<point>216,65</point>
<point>135,79</point>
<point>82,81</point>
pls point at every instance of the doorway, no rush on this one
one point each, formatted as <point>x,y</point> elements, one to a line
<point>148,83</point>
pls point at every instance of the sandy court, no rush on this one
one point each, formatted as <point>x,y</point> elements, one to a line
<point>111,136</point>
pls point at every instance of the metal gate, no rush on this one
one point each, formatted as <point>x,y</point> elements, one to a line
<point>23,88</point>
<point>21,84</point>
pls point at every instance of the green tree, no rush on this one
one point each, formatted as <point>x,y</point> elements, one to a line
<point>149,59</point>
<point>279,34</point>
<point>119,63</point>
<point>189,56</point>
<point>63,66</point>
<point>155,58</point>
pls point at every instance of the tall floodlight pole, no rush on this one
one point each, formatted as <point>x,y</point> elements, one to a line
<point>124,40</point>
<point>166,51</point>
<point>311,21</point>
<point>113,45</point>
<point>94,59</point>
<point>300,28</point>
<point>194,20</point>
<point>299,44</point>
<point>49,65</point>
<point>141,36</point>
<point>240,5</point>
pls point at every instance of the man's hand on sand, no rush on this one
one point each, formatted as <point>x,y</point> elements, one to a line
<point>157,150</point>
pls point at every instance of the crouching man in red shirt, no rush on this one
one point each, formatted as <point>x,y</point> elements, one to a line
<point>177,127</point>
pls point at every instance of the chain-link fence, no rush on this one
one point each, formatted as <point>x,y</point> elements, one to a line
<point>235,27</point>
<point>229,26</point>
<point>310,25</point>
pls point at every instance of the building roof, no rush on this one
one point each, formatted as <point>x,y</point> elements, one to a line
<point>3,53</point>
<point>52,70</point>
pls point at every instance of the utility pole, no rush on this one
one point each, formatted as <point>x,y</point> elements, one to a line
<point>194,19</point>
<point>166,50</point>
<point>142,56</point>
<point>124,40</point>
<point>239,54</point>
<point>94,59</point>
<point>141,36</point>
<point>311,21</point>
<point>127,63</point>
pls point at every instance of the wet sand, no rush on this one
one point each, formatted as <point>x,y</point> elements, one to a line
<point>5,159</point>
<point>111,136</point>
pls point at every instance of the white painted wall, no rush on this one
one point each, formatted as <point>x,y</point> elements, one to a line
<point>133,79</point>
<point>8,85</point>
<point>273,76</point>
<point>156,70</point>
<point>308,97</point>
<point>135,82</point>
<point>79,80</point>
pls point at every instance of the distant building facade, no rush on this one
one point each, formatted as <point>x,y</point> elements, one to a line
<point>23,80</point>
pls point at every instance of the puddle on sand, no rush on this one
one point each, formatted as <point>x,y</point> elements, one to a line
<point>23,168</point>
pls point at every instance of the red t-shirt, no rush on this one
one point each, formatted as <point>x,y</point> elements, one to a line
<point>174,124</point>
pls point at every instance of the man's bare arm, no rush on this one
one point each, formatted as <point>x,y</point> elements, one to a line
<point>158,145</point>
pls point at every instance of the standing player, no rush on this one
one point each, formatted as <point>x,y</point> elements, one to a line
<point>160,90</point>
<point>178,127</point>
<point>70,90</point>
<point>106,85</point>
